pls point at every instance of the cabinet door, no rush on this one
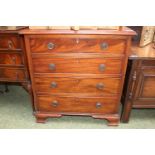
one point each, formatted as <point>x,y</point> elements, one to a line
<point>144,91</point>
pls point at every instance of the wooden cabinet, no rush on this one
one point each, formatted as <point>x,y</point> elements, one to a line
<point>77,72</point>
<point>139,90</point>
<point>13,61</point>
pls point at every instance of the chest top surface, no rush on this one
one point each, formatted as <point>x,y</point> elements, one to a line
<point>123,31</point>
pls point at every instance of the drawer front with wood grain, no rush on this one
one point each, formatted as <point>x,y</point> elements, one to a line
<point>10,42</point>
<point>11,59</point>
<point>105,86</point>
<point>12,74</point>
<point>75,65</point>
<point>77,104</point>
<point>78,44</point>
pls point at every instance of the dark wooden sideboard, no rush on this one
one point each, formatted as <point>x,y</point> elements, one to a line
<point>77,72</point>
<point>139,87</point>
<point>13,61</point>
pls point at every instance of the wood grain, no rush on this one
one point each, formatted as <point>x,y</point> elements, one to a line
<point>78,44</point>
<point>73,104</point>
<point>105,86</point>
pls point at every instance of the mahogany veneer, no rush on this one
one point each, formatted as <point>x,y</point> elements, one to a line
<point>77,72</point>
<point>13,61</point>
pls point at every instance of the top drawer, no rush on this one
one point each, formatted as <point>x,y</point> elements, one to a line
<point>9,42</point>
<point>48,44</point>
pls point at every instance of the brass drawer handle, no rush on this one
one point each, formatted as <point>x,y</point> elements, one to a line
<point>53,85</point>
<point>102,67</point>
<point>104,46</point>
<point>52,66</point>
<point>50,46</point>
<point>9,44</point>
<point>100,86</point>
<point>98,105</point>
<point>55,103</point>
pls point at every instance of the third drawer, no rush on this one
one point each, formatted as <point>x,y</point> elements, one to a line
<point>107,85</point>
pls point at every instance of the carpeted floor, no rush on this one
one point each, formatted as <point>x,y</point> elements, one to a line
<point>16,113</point>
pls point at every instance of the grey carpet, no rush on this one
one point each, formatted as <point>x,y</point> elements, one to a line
<point>16,113</point>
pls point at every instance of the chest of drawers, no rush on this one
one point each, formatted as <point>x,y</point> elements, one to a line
<point>13,61</point>
<point>77,72</point>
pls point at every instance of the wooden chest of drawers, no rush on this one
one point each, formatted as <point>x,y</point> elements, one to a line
<point>77,72</point>
<point>13,62</point>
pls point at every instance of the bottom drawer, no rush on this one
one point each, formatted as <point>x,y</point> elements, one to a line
<point>77,105</point>
<point>12,74</point>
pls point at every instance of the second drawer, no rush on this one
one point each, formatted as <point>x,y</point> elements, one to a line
<point>11,59</point>
<point>75,65</point>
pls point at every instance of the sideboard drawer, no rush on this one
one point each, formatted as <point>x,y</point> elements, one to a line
<point>107,85</point>
<point>77,105</point>
<point>9,42</point>
<point>61,44</point>
<point>75,65</point>
<point>146,63</point>
<point>12,74</point>
<point>11,59</point>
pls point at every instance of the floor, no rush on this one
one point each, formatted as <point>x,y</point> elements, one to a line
<point>16,113</point>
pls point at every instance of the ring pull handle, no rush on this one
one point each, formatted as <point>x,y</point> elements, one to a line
<point>100,86</point>
<point>52,66</point>
<point>104,46</point>
<point>9,44</point>
<point>50,46</point>
<point>53,85</point>
<point>98,105</point>
<point>55,103</point>
<point>102,67</point>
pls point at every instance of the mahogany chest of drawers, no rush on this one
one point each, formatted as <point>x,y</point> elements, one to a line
<point>77,72</point>
<point>13,62</point>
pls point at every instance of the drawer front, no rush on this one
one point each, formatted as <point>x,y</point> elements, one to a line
<point>78,85</point>
<point>12,74</point>
<point>62,44</point>
<point>11,59</point>
<point>148,63</point>
<point>81,105</point>
<point>71,65</point>
<point>9,42</point>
